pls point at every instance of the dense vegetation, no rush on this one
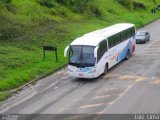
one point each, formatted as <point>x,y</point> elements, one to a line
<point>27,25</point>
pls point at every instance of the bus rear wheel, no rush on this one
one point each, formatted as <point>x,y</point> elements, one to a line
<point>128,55</point>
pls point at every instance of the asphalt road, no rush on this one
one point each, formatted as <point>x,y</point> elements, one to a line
<point>132,86</point>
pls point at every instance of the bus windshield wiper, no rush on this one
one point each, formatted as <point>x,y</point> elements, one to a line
<point>83,62</point>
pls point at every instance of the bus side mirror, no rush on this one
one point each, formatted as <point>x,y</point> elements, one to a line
<point>95,52</point>
<point>65,51</point>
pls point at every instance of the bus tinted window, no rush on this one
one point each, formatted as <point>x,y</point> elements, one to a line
<point>117,38</point>
<point>120,37</point>
<point>133,31</point>
<point>123,35</point>
<point>129,32</point>
<point>111,42</point>
<point>102,49</point>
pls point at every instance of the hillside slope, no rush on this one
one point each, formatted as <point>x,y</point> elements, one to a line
<point>27,25</point>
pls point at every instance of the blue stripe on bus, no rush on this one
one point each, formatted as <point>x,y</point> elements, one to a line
<point>123,53</point>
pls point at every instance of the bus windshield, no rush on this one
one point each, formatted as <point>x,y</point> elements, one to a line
<point>82,56</point>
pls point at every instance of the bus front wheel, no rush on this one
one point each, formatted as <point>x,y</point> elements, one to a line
<point>106,68</point>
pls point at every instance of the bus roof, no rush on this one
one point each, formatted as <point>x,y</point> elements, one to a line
<point>95,37</point>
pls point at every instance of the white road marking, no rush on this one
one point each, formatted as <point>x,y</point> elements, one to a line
<point>92,105</point>
<point>129,87</point>
<point>65,107</point>
<point>102,96</point>
<point>53,84</point>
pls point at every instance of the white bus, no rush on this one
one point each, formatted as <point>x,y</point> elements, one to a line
<point>96,52</point>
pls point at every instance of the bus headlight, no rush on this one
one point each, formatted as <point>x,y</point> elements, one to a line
<point>92,71</point>
<point>70,70</point>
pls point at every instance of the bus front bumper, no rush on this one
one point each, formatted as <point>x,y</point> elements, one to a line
<point>83,75</point>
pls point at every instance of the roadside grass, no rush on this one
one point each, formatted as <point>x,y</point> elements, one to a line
<point>4,95</point>
<point>28,26</point>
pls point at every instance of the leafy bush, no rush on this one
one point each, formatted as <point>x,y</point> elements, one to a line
<point>47,3</point>
<point>138,5</point>
<point>7,4</point>
<point>94,9</point>
<point>78,6</point>
<point>131,4</point>
<point>6,1</point>
<point>82,6</point>
<point>126,3</point>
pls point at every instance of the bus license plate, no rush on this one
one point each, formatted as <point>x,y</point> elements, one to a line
<point>81,75</point>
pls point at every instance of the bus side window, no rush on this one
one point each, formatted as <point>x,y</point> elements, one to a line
<point>133,31</point>
<point>101,50</point>
<point>123,35</point>
<point>117,38</point>
<point>111,41</point>
<point>129,33</point>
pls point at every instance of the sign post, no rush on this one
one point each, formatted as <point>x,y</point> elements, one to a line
<point>49,48</point>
